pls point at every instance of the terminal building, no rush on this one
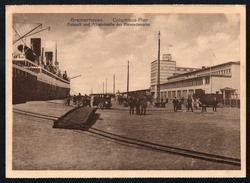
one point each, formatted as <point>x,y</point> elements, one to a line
<point>167,69</point>
<point>183,82</point>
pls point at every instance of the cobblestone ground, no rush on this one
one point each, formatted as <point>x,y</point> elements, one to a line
<point>37,146</point>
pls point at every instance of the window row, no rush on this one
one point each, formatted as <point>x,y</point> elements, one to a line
<point>196,82</point>
<point>17,72</point>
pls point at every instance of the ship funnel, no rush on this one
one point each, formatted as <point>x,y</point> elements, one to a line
<point>36,46</point>
<point>49,57</point>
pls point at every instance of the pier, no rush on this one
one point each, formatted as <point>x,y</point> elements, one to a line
<point>115,140</point>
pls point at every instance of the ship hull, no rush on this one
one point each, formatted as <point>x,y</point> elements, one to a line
<point>27,86</point>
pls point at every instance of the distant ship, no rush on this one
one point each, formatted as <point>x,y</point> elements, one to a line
<point>34,75</point>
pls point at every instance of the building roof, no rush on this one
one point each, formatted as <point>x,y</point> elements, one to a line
<point>188,68</point>
<point>136,91</point>
<point>207,68</point>
<point>228,88</point>
<point>163,60</point>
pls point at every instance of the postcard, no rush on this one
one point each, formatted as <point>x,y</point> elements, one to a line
<point>125,91</point>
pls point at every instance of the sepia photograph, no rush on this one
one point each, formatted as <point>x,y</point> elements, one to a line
<point>125,91</point>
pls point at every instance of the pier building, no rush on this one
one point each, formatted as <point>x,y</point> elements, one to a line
<point>218,79</point>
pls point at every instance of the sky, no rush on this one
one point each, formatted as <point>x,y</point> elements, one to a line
<point>99,52</point>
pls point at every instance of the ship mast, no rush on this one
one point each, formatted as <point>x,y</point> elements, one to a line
<point>56,62</point>
<point>56,53</point>
<point>29,33</point>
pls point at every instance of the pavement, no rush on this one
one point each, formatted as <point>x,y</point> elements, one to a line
<point>116,140</point>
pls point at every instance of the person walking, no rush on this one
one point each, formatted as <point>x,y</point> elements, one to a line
<point>204,105</point>
<point>84,100</point>
<point>79,99</point>
<point>215,104</point>
<point>143,106</point>
<point>137,106</point>
<point>190,104</point>
<point>196,103</point>
<point>74,101</point>
<point>131,103</point>
<point>175,104</point>
<point>92,101</point>
<point>68,99</point>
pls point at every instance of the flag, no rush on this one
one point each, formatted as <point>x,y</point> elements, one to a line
<point>214,55</point>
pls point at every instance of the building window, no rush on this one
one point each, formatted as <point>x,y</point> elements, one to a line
<point>169,94</point>
<point>207,80</point>
<point>173,94</point>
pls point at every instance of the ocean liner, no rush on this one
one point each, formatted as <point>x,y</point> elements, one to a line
<point>34,75</point>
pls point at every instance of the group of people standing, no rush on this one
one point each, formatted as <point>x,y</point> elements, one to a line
<point>137,105</point>
<point>192,104</point>
<point>78,100</point>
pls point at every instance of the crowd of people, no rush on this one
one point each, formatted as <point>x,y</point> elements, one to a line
<point>78,100</point>
<point>137,105</point>
<point>192,104</point>
<point>48,66</point>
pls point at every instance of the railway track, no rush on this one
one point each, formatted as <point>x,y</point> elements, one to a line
<point>168,149</point>
<point>145,144</point>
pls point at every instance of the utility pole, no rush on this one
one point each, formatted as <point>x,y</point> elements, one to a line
<point>128,79</point>
<point>210,72</point>
<point>106,85</point>
<point>210,79</point>
<point>103,87</point>
<point>158,77</point>
<point>114,83</point>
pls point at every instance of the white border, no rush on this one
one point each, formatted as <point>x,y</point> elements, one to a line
<point>124,9</point>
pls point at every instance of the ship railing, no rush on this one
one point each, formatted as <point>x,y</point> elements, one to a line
<point>24,63</point>
<point>45,71</point>
<point>27,64</point>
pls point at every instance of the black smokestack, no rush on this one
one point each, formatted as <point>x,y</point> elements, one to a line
<point>49,57</point>
<point>36,46</point>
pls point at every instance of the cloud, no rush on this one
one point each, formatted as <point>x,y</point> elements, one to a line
<point>98,53</point>
<point>49,45</point>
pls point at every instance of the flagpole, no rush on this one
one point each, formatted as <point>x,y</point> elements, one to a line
<point>158,81</point>
<point>211,72</point>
